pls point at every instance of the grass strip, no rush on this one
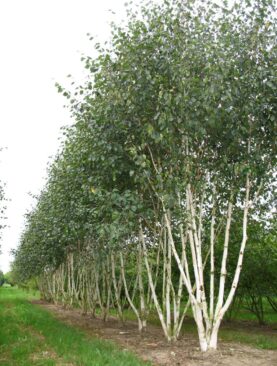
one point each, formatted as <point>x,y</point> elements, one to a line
<point>27,331</point>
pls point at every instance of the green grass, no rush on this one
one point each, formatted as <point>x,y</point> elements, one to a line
<point>256,339</point>
<point>32,336</point>
<point>246,315</point>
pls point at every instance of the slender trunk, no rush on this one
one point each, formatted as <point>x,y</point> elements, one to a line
<point>223,272</point>
<point>154,295</point>
<point>116,289</point>
<point>222,310</point>
<point>135,310</point>
<point>212,264</point>
<point>168,287</point>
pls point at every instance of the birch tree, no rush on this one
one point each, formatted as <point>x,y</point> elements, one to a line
<point>190,92</point>
<point>173,139</point>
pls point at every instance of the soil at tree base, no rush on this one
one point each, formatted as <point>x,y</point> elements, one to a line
<point>151,345</point>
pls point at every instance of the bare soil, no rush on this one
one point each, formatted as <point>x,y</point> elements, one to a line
<point>151,345</point>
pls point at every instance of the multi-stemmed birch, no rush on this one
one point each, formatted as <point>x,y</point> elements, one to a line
<point>174,137</point>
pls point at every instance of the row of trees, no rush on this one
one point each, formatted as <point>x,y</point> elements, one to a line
<point>170,158</point>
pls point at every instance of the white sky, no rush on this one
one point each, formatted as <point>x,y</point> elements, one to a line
<point>41,41</point>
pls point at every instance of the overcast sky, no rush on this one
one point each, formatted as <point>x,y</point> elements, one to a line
<point>41,42</point>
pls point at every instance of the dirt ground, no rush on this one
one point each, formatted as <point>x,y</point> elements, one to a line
<point>151,346</point>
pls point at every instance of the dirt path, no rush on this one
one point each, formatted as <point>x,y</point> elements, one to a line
<point>151,346</point>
